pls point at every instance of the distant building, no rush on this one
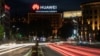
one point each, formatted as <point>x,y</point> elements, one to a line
<point>74,18</point>
<point>90,24</point>
<point>45,23</point>
<point>72,14</point>
<point>50,22</point>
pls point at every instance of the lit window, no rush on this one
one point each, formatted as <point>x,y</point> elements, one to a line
<point>85,28</point>
<point>88,21</point>
<point>82,21</point>
<point>93,27</point>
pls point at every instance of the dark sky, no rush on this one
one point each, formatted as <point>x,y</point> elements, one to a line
<point>22,7</point>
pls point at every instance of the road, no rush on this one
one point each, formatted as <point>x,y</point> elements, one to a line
<point>72,50</point>
<point>49,49</point>
<point>14,49</point>
<point>49,52</point>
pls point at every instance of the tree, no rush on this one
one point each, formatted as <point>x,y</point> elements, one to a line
<point>1,31</point>
<point>66,30</point>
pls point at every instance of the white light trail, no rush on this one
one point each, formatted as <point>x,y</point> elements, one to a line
<point>12,47</point>
<point>12,50</point>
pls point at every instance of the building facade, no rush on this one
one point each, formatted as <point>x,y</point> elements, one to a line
<point>45,22</point>
<point>74,18</point>
<point>90,23</point>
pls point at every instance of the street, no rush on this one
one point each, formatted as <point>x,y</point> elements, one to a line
<point>49,49</point>
<point>70,50</point>
<point>49,52</point>
<point>14,49</point>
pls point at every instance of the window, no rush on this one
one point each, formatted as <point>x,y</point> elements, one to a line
<point>91,12</point>
<point>90,22</point>
<point>95,22</point>
<point>95,27</point>
<point>90,16</point>
<point>95,12</point>
<point>95,16</point>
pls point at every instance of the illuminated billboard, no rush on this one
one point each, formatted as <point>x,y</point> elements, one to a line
<point>44,8</point>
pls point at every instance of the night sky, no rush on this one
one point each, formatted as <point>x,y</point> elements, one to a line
<point>22,7</point>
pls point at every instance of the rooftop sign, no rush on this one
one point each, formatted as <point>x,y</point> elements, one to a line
<point>44,8</point>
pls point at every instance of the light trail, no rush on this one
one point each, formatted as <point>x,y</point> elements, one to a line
<point>75,50</point>
<point>4,48</point>
<point>12,47</point>
<point>67,51</point>
<point>11,50</point>
<point>59,51</point>
<point>90,50</point>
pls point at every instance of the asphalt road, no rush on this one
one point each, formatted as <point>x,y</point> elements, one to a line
<point>19,52</point>
<point>72,50</point>
<point>49,52</point>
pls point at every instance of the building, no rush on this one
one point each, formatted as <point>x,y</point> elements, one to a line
<point>42,22</point>
<point>90,24</point>
<point>45,23</point>
<point>74,18</point>
<point>72,14</point>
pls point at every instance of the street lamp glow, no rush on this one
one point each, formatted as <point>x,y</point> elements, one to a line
<point>74,21</point>
<point>3,15</point>
<point>75,31</point>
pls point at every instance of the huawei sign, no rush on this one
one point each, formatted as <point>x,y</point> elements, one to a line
<point>44,8</point>
<point>35,7</point>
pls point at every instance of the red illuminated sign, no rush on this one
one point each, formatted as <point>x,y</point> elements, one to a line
<point>6,7</point>
<point>35,7</point>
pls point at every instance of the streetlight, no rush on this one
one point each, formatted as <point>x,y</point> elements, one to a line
<point>17,29</point>
<point>3,15</point>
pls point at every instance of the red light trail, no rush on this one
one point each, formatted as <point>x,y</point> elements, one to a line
<point>70,50</point>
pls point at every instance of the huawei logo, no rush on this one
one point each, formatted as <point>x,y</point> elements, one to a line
<point>35,7</point>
